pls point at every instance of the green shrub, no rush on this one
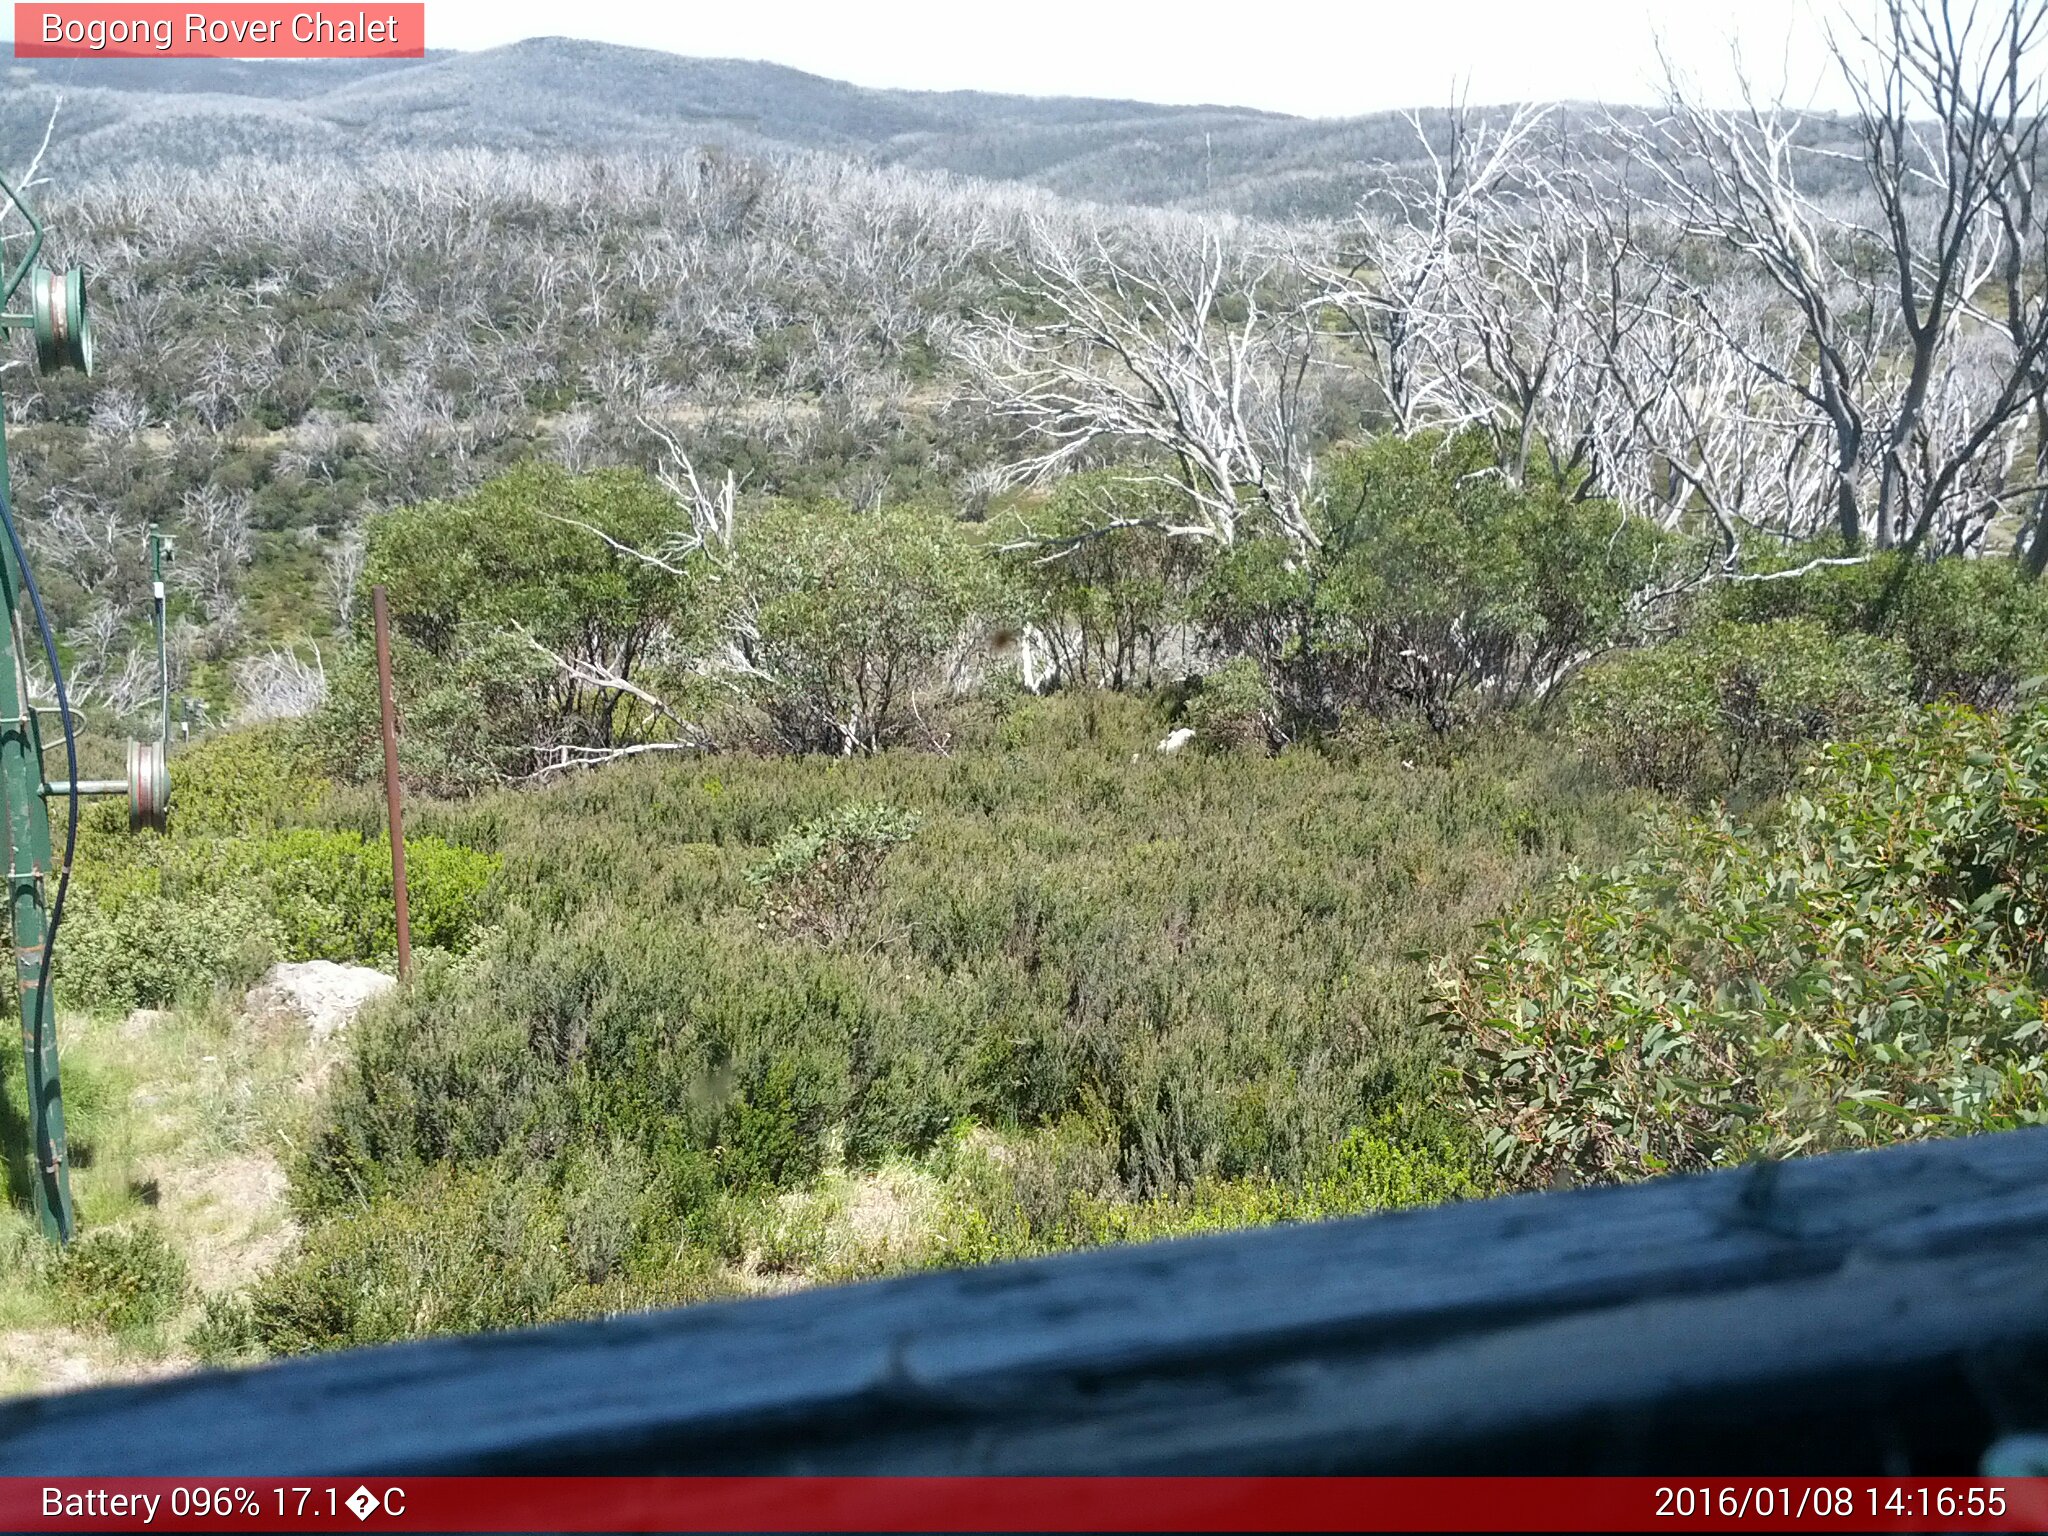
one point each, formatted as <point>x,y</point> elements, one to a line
<point>1440,590</point>
<point>1736,706</point>
<point>149,948</point>
<point>1861,969</point>
<point>1973,630</point>
<point>1210,964</point>
<point>1234,708</point>
<point>330,892</point>
<point>604,1197</point>
<point>254,780</point>
<point>455,1254</point>
<point>822,879</point>
<point>154,918</point>
<point>167,918</point>
<point>1106,599</point>
<point>1058,1190</point>
<point>474,585</point>
<point>1392,1165</point>
<point>122,1277</point>
<point>225,1333</point>
<point>773,1131</point>
<point>453,1076</point>
<point>847,620</point>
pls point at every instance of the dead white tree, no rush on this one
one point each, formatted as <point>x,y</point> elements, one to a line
<point>1949,113</point>
<point>711,525</point>
<point>344,573</point>
<point>218,542</point>
<point>2022,292</point>
<point>1196,347</point>
<point>278,684</point>
<point>107,670</point>
<point>712,513</point>
<point>1947,119</point>
<point>1404,260</point>
<point>607,680</point>
<point>1732,179</point>
<point>1690,427</point>
<point>119,413</point>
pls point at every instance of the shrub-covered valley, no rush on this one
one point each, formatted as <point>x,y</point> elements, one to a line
<point>942,723</point>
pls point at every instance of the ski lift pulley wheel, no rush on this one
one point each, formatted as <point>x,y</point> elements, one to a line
<point>149,786</point>
<point>63,324</point>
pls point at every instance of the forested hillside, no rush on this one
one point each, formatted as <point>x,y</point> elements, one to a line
<point>946,720</point>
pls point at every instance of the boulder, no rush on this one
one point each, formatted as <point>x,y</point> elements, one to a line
<point>326,995</point>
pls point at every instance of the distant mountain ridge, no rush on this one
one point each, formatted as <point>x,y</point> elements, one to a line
<point>566,94</point>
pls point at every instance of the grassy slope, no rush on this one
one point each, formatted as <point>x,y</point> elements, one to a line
<point>180,1119</point>
<point>1105,994</point>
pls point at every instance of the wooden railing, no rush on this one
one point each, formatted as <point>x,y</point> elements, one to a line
<point>1873,1312</point>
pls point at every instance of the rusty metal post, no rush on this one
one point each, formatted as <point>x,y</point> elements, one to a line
<point>392,804</point>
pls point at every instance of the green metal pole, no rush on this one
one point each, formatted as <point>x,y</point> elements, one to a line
<point>28,866</point>
<point>163,666</point>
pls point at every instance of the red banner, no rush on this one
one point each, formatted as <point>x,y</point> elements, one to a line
<point>691,1504</point>
<point>235,31</point>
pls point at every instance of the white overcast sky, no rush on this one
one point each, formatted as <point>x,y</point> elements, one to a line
<point>1314,59</point>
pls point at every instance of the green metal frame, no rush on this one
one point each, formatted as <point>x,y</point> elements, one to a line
<point>27,822</point>
<point>35,245</point>
<point>61,326</point>
<point>29,875</point>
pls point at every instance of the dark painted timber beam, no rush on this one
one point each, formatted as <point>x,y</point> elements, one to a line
<point>1876,1312</point>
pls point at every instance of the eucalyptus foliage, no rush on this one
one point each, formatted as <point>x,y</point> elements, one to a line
<point>523,619</point>
<point>1736,707</point>
<point>1865,966</point>
<point>851,623</point>
<point>1440,590</point>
